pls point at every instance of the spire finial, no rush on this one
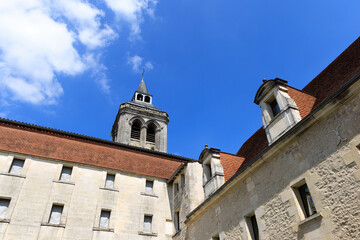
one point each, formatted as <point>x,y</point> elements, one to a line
<point>143,72</point>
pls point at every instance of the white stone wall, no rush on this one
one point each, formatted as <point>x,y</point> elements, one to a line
<point>317,155</point>
<point>33,193</point>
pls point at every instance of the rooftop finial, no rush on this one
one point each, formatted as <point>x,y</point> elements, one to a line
<point>143,72</point>
<point>264,80</point>
<point>206,146</point>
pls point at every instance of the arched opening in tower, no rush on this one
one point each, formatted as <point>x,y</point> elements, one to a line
<point>135,130</point>
<point>150,133</point>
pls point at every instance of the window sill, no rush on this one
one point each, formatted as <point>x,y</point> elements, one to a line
<point>148,234</point>
<point>308,219</point>
<point>59,181</point>
<point>103,229</point>
<point>110,189</point>
<point>4,220</point>
<point>13,175</point>
<point>149,194</point>
<point>52,225</point>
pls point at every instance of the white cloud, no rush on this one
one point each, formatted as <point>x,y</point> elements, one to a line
<point>37,39</point>
<point>149,66</point>
<point>132,11</point>
<point>135,62</point>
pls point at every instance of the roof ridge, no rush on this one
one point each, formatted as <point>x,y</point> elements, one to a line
<point>90,138</point>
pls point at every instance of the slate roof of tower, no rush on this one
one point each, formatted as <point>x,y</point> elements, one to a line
<point>142,87</point>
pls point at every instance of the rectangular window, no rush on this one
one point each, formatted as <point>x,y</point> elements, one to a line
<point>274,107</point>
<point>176,188</point>
<point>4,205</point>
<point>16,166</point>
<point>182,180</point>
<point>147,223</point>
<point>104,219</point>
<point>55,214</point>
<point>149,185</point>
<point>177,220</point>
<point>110,178</point>
<point>65,174</point>
<point>306,200</point>
<point>253,227</point>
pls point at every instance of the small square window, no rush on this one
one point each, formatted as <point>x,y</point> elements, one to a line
<point>109,182</point>
<point>149,186</point>
<point>274,107</point>
<point>147,223</point>
<point>104,219</point>
<point>253,227</point>
<point>16,166</point>
<point>4,205</point>
<point>65,174</point>
<point>307,201</point>
<point>55,214</point>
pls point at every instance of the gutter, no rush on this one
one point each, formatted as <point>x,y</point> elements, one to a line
<point>252,161</point>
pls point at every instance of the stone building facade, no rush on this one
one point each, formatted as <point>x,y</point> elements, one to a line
<point>297,177</point>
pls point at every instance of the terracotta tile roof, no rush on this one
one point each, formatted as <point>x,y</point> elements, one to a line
<point>341,70</point>
<point>22,139</point>
<point>230,164</point>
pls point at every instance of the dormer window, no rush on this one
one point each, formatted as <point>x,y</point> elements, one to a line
<point>275,109</point>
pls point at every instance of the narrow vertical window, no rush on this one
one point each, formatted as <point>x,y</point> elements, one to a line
<point>274,107</point>
<point>4,205</point>
<point>109,182</point>
<point>176,188</point>
<point>55,214</point>
<point>177,220</point>
<point>147,223</point>
<point>104,219</point>
<point>65,174</point>
<point>207,171</point>
<point>307,201</point>
<point>149,185</point>
<point>182,180</point>
<point>16,166</point>
<point>252,227</point>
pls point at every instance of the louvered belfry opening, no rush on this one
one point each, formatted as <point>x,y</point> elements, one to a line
<point>135,130</point>
<point>150,133</point>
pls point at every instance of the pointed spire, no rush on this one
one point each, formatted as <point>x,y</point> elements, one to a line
<point>142,87</point>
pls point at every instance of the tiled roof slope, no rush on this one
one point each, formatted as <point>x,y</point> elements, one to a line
<point>230,164</point>
<point>83,150</point>
<point>341,70</point>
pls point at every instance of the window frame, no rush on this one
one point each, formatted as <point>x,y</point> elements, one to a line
<point>52,211</point>
<point>113,180</point>
<point>108,219</point>
<point>16,159</point>
<point>253,229</point>
<point>6,211</point>
<point>150,230</point>
<point>62,171</point>
<point>273,107</point>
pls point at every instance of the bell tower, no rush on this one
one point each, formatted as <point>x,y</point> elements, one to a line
<point>140,123</point>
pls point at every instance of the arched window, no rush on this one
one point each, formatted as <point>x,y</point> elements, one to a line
<point>150,133</point>
<point>139,97</point>
<point>135,130</point>
<point>147,99</point>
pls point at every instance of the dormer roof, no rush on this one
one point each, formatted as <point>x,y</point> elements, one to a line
<point>266,87</point>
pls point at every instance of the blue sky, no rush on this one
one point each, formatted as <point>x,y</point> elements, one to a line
<point>70,64</point>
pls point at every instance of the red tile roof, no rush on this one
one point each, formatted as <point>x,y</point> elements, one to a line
<point>33,141</point>
<point>341,70</point>
<point>230,164</point>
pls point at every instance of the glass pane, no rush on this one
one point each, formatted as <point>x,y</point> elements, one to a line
<point>254,227</point>
<point>110,178</point>
<point>55,215</point>
<point>66,174</point>
<point>16,166</point>
<point>149,186</point>
<point>104,219</point>
<point>4,204</point>
<point>147,223</point>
